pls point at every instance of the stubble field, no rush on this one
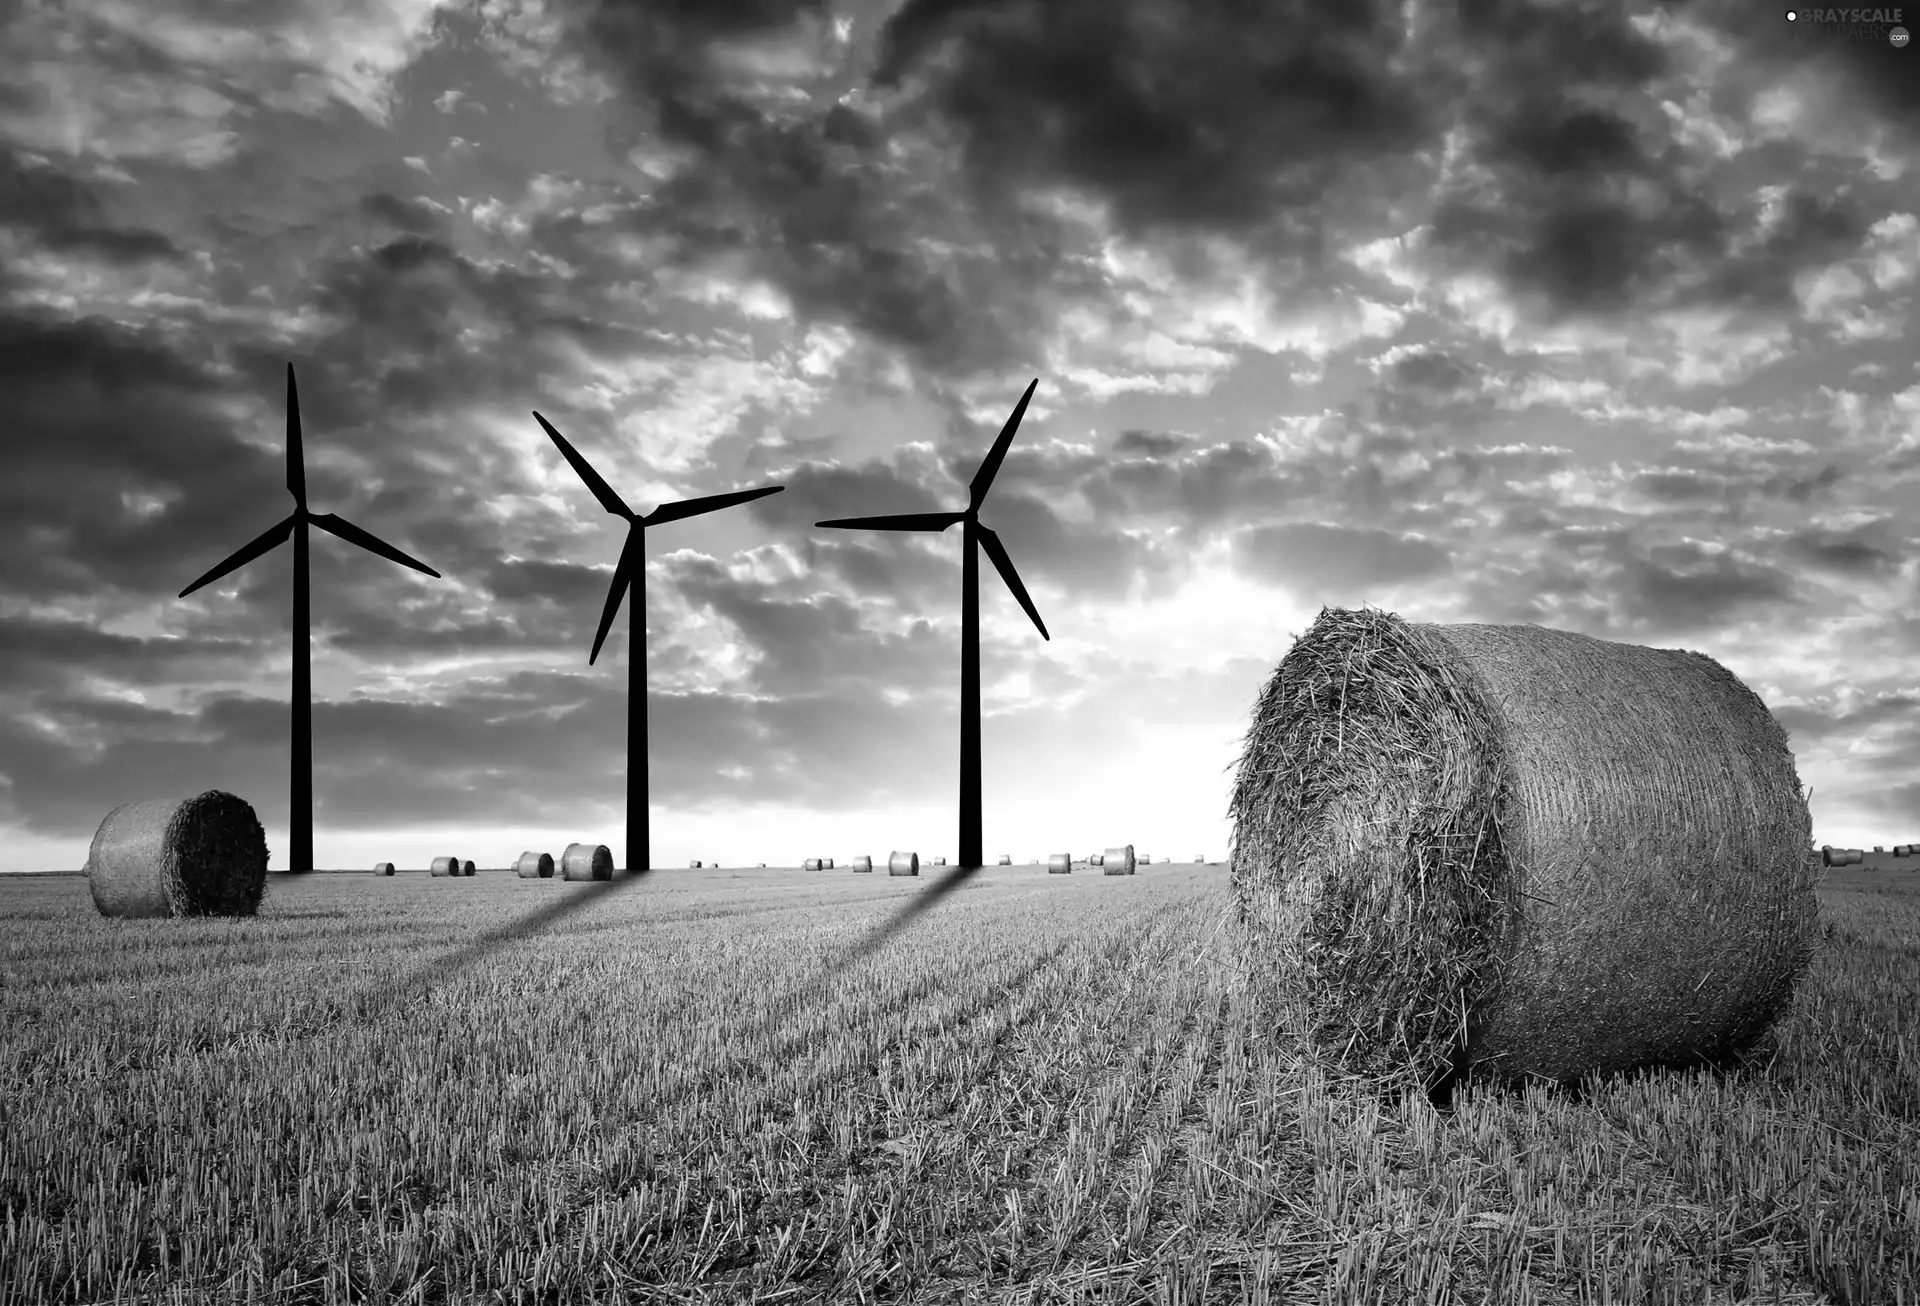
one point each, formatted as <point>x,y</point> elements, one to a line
<point>725,1086</point>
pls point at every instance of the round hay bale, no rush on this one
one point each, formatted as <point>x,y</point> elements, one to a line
<point>1060,864</point>
<point>763,866</point>
<point>1199,859</point>
<point>939,861</point>
<point>1144,860</point>
<point>828,861</point>
<point>1006,859</point>
<point>444,868</point>
<point>811,864</point>
<point>863,863</point>
<point>383,868</point>
<point>586,861</point>
<point>694,865</point>
<point>200,856</point>
<point>1117,861</point>
<point>1877,848</point>
<point>1841,856</point>
<point>534,866</point>
<point>1093,859</point>
<point>899,863</point>
<point>466,868</point>
<point>1517,851</point>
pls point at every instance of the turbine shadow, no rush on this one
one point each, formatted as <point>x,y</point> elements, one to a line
<point>370,1001</point>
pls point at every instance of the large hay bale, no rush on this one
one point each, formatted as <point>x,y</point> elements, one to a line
<point>1841,856</point>
<point>586,861</point>
<point>1117,861</point>
<point>863,863</point>
<point>828,862</point>
<point>200,856</point>
<point>466,868</point>
<point>812,864</point>
<point>1060,864</point>
<point>1517,852</point>
<point>383,868</point>
<point>444,868</point>
<point>899,863</point>
<point>534,866</point>
<point>1006,859</point>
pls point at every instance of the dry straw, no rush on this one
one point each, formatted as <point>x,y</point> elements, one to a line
<point>812,864</point>
<point>534,866</point>
<point>383,868</point>
<point>1517,851</point>
<point>828,862</point>
<point>1006,859</point>
<point>1060,864</point>
<point>1842,856</point>
<point>694,865</point>
<point>939,861</point>
<point>586,861</point>
<point>903,863</point>
<point>863,863</point>
<point>1199,859</point>
<point>444,867</point>
<point>1117,861</point>
<point>1093,859</point>
<point>201,856</point>
<point>466,868</point>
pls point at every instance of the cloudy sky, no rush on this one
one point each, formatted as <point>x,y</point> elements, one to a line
<point>1586,315</point>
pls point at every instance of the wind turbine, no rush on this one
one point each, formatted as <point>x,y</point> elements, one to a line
<point>632,567</point>
<point>300,810</point>
<point>972,533</point>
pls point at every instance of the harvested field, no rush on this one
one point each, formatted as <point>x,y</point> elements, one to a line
<point>1046,1091</point>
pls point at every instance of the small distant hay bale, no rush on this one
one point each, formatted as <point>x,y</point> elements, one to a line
<point>466,868</point>
<point>812,864</point>
<point>1117,861</point>
<point>200,856</point>
<point>1060,864</point>
<point>1877,848</point>
<point>863,863</point>
<point>1093,859</point>
<point>1199,859</point>
<point>763,866</point>
<point>1144,860</point>
<point>828,862</point>
<point>1517,852</point>
<point>694,865</point>
<point>1841,857</point>
<point>1006,859</point>
<point>899,863</point>
<point>443,868</point>
<point>586,862</point>
<point>383,868</point>
<point>939,861</point>
<point>534,866</point>
<point>1902,849</point>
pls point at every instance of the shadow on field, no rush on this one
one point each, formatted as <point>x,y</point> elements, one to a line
<point>369,1000</point>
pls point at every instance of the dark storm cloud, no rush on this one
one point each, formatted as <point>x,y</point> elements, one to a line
<point>1848,554</point>
<point>409,216</point>
<point>1682,587</point>
<point>1148,444</point>
<point>1430,372</point>
<point>1816,723</point>
<point>65,214</point>
<point>52,654</point>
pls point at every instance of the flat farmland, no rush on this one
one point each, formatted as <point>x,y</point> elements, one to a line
<point>763,1085</point>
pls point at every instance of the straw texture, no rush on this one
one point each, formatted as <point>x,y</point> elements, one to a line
<point>1060,864</point>
<point>1517,852</point>
<point>200,856</point>
<point>899,863</point>
<point>1117,861</point>
<point>586,861</point>
<point>383,868</point>
<point>534,866</point>
<point>444,868</point>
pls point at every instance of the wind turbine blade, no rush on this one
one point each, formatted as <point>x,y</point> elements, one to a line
<point>296,452</point>
<point>352,534</point>
<point>601,490</point>
<point>1004,565</point>
<point>667,512</point>
<point>983,479</point>
<point>906,521</point>
<point>267,539</point>
<point>622,577</point>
